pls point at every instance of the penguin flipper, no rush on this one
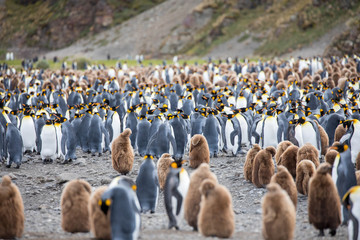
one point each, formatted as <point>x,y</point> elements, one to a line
<point>107,141</point>
<point>63,141</point>
<point>173,142</point>
<point>233,135</point>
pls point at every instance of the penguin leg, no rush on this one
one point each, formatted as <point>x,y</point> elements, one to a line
<point>332,232</point>
<point>321,233</point>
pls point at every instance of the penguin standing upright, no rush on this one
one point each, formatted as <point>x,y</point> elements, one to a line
<point>68,141</point>
<point>351,201</point>
<point>176,187</point>
<point>211,132</point>
<point>124,211</point>
<point>48,142</point>
<point>83,131</point>
<point>343,174</point>
<point>142,138</point>
<point>13,145</point>
<point>147,185</point>
<point>232,134</point>
<point>96,132</point>
<point>270,130</point>
<point>28,132</point>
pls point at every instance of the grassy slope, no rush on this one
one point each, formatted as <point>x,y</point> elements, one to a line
<point>277,27</point>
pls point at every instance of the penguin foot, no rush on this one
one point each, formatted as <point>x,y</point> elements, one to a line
<point>65,162</point>
<point>99,154</point>
<point>321,233</point>
<point>93,154</point>
<point>152,211</point>
<point>17,166</point>
<point>332,232</point>
<point>195,229</point>
<point>8,166</point>
<point>171,226</point>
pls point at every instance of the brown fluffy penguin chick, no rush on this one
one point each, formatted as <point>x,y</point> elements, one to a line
<point>163,166</point>
<point>216,215</point>
<point>323,201</point>
<point>357,173</point>
<point>330,156</point>
<point>278,214</point>
<point>357,161</point>
<point>286,182</point>
<point>250,156</point>
<point>74,206</point>
<point>339,132</point>
<point>263,167</point>
<point>11,210</point>
<point>281,149</point>
<point>122,153</point>
<point>199,151</point>
<point>304,171</point>
<point>193,196</point>
<point>309,152</point>
<point>288,159</point>
<point>99,222</point>
<point>324,139</point>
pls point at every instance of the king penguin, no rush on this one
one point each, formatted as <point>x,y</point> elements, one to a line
<point>351,201</point>
<point>176,187</point>
<point>147,185</point>
<point>343,174</point>
<point>28,132</point>
<point>48,142</point>
<point>13,145</point>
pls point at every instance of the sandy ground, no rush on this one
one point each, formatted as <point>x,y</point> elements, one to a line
<point>41,186</point>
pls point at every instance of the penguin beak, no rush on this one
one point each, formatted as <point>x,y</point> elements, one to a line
<point>334,148</point>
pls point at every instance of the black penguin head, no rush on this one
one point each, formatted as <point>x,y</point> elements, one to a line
<point>149,156</point>
<point>177,164</point>
<point>105,205</point>
<point>49,122</point>
<point>340,147</point>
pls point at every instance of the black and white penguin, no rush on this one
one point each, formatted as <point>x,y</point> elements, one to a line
<point>142,138</point>
<point>48,142</point>
<point>13,146</point>
<point>28,132</point>
<point>175,190</point>
<point>343,174</point>
<point>147,185</point>
<point>211,132</point>
<point>351,201</point>
<point>232,134</point>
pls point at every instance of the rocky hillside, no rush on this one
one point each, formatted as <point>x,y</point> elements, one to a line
<point>98,28</point>
<point>33,25</point>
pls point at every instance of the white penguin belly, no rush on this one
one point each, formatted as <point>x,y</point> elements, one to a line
<point>241,102</point>
<point>59,136</point>
<point>48,146</point>
<point>270,132</point>
<point>356,212</point>
<point>229,128</point>
<point>115,126</point>
<point>244,130</point>
<point>28,133</point>
<point>298,135</point>
<point>183,187</point>
<point>355,146</point>
<point>309,134</point>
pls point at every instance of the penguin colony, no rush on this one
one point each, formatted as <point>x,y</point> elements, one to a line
<point>301,107</point>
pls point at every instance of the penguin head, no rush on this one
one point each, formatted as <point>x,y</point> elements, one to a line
<point>351,196</point>
<point>324,168</point>
<point>340,147</point>
<point>149,156</point>
<point>177,164</point>
<point>49,122</point>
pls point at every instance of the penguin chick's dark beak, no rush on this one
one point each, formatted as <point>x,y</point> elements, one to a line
<point>104,205</point>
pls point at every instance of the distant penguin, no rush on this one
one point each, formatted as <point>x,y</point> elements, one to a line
<point>176,187</point>
<point>122,154</point>
<point>142,138</point>
<point>28,132</point>
<point>125,216</point>
<point>351,201</point>
<point>211,132</point>
<point>250,156</point>
<point>216,215</point>
<point>281,149</point>
<point>163,166</point>
<point>343,174</point>
<point>13,146</point>
<point>286,182</point>
<point>74,206</point>
<point>147,185</point>
<point>278,214</point>
<point>304,171</point>
<point>198,151</point>
<point>99,222</point>
<point>288,159</point>
<point>308,151</point>
<point>193,197</point>
<point>323,201</point>
<point>11,210</point>
<point>48,142</point>
<point>263,167</point>
<point>96,133</point>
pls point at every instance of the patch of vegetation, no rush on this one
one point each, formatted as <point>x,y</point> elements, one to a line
<point>43,64</point>
<point>82,63</point>
<point>243,37</point>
